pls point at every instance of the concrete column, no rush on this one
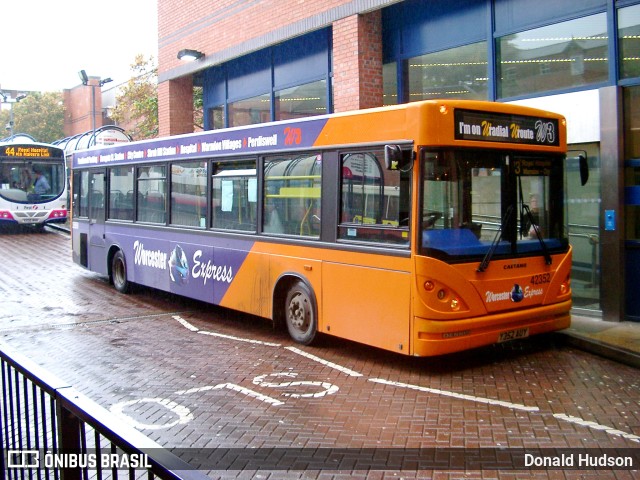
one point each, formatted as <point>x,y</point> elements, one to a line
<point>612,174</point>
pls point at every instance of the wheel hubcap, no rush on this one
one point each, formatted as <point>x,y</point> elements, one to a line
<point>298,311</point>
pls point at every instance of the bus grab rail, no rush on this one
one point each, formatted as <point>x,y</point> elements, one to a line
<point>42,417</point>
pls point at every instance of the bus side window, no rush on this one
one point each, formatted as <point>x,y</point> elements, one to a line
<point>292,191</point>
<point>120,202</point>
<point>234,198</point>
<point>375,202</point>
<point>152,185</point>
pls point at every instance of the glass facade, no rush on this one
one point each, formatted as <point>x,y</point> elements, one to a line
<point>249,111</point>
<point>632,200</point>
<point>560,56</point>
<point>390,83</point>
<point>284,81</point>
<point>459,72</point>
<point>301,101</point>
<point>523,52</point>
<point>629,41</point>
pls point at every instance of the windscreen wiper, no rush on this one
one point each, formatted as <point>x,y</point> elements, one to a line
<point>545,250</point>
<point>487,258</point>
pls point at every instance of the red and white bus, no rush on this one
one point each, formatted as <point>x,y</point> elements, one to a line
<point>424,228</point>
<point>33,184</point>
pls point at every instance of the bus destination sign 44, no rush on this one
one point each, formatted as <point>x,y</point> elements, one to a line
<point>499,127</point>
<point>28,151</point>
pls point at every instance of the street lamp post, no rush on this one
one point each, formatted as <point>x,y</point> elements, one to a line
<point>85,81</point>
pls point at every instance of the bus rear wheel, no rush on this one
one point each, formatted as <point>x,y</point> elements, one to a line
<point>119,273</point>
<point>300,313</point>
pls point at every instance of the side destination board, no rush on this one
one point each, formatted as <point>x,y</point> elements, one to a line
<point>257,139</point>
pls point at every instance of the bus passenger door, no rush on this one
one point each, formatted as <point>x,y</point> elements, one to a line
<point>97,255</point>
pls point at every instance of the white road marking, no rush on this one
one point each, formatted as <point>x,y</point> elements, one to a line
<point>236,388</point>
<point>183,413</point>
<point>597,426</point>
<point>327,388</point>
<point>238,339</point>
<point>185,324</point>
<point>461,396</point>
<point>324,362</point>
<point>193,328</point>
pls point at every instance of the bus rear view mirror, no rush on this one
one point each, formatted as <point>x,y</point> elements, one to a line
<point>393,157</point>
<point>584,169</point>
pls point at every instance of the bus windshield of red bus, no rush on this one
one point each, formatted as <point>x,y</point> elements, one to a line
<point>485,204</point>
<point>28,181</point>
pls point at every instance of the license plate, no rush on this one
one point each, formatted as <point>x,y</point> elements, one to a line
<point>30,220</point>
<point>513,334</point>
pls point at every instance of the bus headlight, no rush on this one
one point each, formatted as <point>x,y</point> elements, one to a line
<point>455,304</point>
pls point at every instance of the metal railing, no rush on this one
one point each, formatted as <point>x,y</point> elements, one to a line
<point>48,430</point>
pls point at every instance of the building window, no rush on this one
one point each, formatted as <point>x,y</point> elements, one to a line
<point>459,72</point>
<point>250,111</point>
<point>629,38</point>
<point>217,119</point>
<point>390,83</point>
<point>189,194</point>
<point>576,53</point>
<point>301,101</point>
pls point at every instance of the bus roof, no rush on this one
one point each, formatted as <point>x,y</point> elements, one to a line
<point>392,124</point>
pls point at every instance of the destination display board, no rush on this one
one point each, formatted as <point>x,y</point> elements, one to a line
<point>506,128</point>
<point>30,151</point>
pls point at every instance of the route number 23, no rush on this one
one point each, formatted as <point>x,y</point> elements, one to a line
<point>292,136</point>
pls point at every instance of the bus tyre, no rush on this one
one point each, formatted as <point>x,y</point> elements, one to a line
<point>300,313</point>
<point>119,273</point>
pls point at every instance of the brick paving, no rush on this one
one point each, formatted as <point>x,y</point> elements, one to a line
<point>207,387</point>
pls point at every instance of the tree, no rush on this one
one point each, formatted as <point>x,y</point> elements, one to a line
<point>136,107</point>
<point>40,114</point>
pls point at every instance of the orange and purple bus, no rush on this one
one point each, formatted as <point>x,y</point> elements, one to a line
<point>423,229</point>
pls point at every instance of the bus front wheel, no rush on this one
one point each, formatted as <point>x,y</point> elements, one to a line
<point>119,273</point>
<point>300,313</point>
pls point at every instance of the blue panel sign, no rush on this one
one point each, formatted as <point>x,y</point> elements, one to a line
<point>609,220</point>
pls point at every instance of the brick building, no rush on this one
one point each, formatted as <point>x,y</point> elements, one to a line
<point>276,59</point>
<point>83,108</point>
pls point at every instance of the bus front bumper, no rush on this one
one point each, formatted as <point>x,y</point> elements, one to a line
<point>438,337</point>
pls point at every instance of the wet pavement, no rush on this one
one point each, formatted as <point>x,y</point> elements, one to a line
<point>190,375</point>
